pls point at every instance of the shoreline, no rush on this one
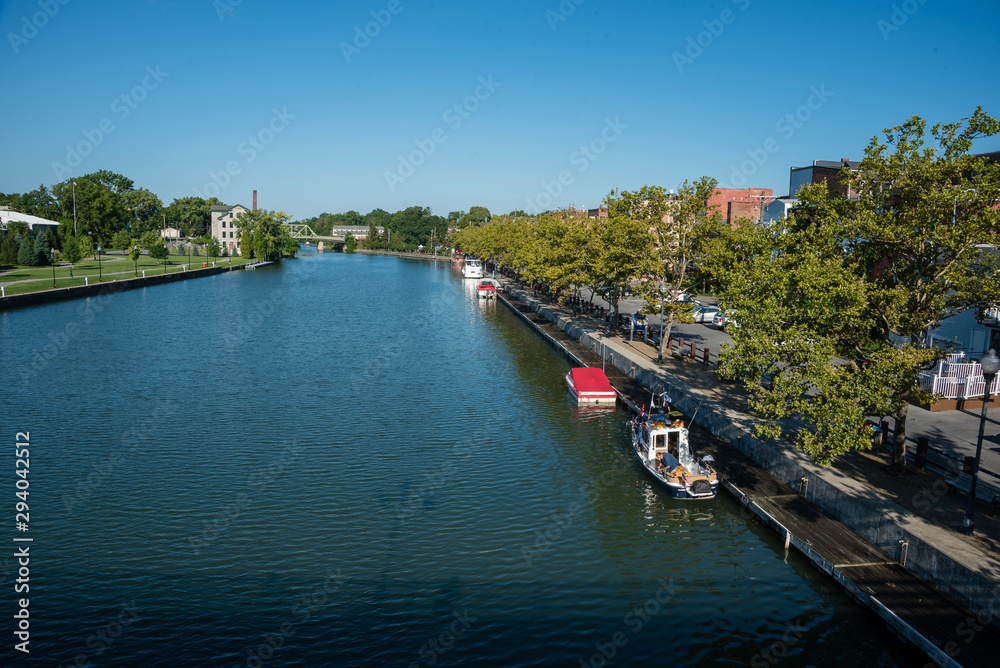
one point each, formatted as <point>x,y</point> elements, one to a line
<point>51,295</point>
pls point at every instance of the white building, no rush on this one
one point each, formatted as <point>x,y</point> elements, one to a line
<point>6,216</point>
<point>224,226</point>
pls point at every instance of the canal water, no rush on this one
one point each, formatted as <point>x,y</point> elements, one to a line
<point>350,461</point>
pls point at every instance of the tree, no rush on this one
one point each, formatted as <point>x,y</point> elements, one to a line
<point>26,253</point>
<point>212,247</point>
<point>134,251</point>
<point>71,250</point>
<point>263,233</point>
<point>192,215</point>
<point>680,225</point>
<point>866,277</point>
<point>148,240</point>
<point>159,251</point>
<point>291,246</point>
<point>246,244</point>
<point>42,250</point>
<point>121,241</point>
<point>8,249</point>
<point>350,243</point>
<point>625,251</point>
<point>86,246</point>
<point>478,215</point>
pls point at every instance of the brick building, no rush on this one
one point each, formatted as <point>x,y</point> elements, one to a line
<point>735,203</point>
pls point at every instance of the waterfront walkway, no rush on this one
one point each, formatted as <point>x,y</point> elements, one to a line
<point>948,632</point>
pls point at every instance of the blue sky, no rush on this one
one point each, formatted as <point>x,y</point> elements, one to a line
<point>557,102</point>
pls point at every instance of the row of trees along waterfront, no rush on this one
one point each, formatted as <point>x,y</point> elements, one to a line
<point>860,278</point>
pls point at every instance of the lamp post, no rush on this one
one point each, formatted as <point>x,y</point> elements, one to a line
<point>53,253</point>
<point>663,297</point>
<point>74,207</point>
<point>100,276</point>
<point>990,365</point>
<point>135,259</point>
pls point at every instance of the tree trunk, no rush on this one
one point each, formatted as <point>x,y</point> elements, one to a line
<point>898,464</point>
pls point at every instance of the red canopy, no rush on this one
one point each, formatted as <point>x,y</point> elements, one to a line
<point>590,379</point>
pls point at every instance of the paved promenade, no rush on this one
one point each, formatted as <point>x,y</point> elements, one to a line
<point>912,519</point>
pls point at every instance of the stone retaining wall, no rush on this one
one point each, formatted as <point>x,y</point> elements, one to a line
<point>880,521</point>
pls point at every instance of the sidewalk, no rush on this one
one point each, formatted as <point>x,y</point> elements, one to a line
<point>924,493</point>
<point>918,504</point>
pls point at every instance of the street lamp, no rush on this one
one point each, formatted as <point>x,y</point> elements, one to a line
<point>74,207</point>
<point>135,260</point>
<point>990,365</point>
<point>53,253</point>
<point>100,276</point>
<point>663,297</point>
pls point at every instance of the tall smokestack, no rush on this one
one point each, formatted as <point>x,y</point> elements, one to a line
<point>254,200</point>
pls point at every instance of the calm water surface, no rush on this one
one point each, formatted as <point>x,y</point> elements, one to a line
<point>347,460</point>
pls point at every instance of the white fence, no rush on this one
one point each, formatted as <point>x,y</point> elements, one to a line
<point>954,379</point>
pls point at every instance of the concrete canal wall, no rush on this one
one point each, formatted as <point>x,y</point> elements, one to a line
<point>968,576</point>
<point>107,287</point>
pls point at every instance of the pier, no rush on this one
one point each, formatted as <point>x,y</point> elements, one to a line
<point>950,634</point>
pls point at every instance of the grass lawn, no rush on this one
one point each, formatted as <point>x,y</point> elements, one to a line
<point>111,267</point>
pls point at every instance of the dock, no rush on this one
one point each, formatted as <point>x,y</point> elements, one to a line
<point>949,634</point>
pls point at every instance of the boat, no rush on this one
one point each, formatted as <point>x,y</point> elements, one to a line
<point>487,288</point>
<point>473,268</point>
<point>661,444</point>
<point>590,387</point>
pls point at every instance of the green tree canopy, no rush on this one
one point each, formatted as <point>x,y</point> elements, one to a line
<point>867,276</point>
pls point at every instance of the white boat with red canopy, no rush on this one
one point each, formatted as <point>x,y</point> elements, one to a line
<point>487,288</point>
<point>590,387</point>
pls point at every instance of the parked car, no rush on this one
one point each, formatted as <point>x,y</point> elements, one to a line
<point>723,320</point>
<point>682,298</point>
<point>705,313</point>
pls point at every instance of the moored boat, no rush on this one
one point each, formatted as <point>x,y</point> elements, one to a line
<point>487,288</point>
<point>590,387</point>
<point>660,442</point>
<point>473,268</point>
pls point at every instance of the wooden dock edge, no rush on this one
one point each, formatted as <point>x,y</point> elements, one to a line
<point>736,432</point>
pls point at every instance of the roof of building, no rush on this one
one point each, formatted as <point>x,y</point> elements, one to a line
<point>225,207</point>
<point>7,216</point>
<point>833,164</point>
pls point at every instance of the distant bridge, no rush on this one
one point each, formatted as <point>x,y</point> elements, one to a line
<point>306,233</point>
<point>339,232</point>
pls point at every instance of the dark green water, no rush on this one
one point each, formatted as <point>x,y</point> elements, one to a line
<point>347,460</point>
